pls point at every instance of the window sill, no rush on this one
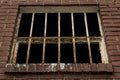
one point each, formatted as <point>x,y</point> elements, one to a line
<point>39,68</point>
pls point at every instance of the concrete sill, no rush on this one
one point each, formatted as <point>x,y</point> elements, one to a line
<point>41,68</point>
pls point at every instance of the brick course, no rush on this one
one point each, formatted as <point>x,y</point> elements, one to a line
<point>110,17</point>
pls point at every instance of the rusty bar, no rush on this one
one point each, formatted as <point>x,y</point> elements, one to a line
<point>13,51</point>
<point>30,39</point>
<point>73,38</point>
<point>44,40</point>
<point>59,38</point>
<point>88,39</point>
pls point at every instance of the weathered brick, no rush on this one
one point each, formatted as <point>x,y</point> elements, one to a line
<point>93,68</point>
<point>31,68</point>
<point>102,67</point>
<point>23,67</point>
<point>70,2</point>
<point>39,68</point>
<point>48,2</point>
<point>109,67</point>
<point>85,68</point>
<point>115,58</point>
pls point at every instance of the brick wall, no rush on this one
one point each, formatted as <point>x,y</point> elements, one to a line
<point>110,15</point>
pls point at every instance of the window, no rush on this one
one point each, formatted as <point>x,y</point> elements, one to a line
<point>58,35</point>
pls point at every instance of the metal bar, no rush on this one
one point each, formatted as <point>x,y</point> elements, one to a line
<point>73,38</point>
<point>30,39</point>
<point>59,38</point>
<point>88,39</point>
<point>44,40</point>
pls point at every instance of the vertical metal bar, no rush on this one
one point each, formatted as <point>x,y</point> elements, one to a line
<point>30,39</point>
<point>44,42</point>
<point>73,38</point>
<point>14,51</point>
<point>59,38</point>
<point>88,39</point>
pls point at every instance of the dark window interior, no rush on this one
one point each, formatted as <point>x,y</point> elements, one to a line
<point>79,24</point>
<point>25,25</point>
<point>51,53</point>
<point>82,54</point>
<point>96,57</point>
<point>51,50</point>
<point>38,26</point>
<point>36,53</point>
<point>93,26</point>
<point>52,24</point>
<point>65,24</point>
<point>67,53</point>
<point>22,53</point>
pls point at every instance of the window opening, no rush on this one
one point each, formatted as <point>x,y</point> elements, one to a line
<point>51,53</point>
<point>52,24</point>
<point>79,24</point>
<point>22,53</point>
<point>67,53</point>
<point>82,53</point>
<point>25,25</point>
<point>96,57</point>
<point>65,24</point>
<point>36,53</point>
<point>93,25</point>
<point>38,26</point>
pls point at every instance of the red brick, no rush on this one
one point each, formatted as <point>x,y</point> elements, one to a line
<point>6,34</point>
<point>112,29</point>
<point>2,65</point>
<point>6,77</point>
<point>117,75</point>
<point>7,30</point>
<point>10,25</point>
<point>46,2</point>
<point>114,52</point>
<point>3,59</point>
<point>112,47</point>
<point>9,7</point>
<point>4,53</point>
<point>86,68</point>
<point>5,48</point>
<point>115,58</point>
<point>102,68</point>
<point>116,69</point>
<point>88,2</point>
<point>108,9</point>
<point>8,14</point>
<point>2,70</point>
<point>109,68</point>
<point>93,67</point>
<point>70,2</point>
<point>112,33</point>
<point>116,63</point>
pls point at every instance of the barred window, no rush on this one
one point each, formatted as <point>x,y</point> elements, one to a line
<point>58,34</point>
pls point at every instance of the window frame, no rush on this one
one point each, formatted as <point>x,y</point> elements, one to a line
<point>43,40</point>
